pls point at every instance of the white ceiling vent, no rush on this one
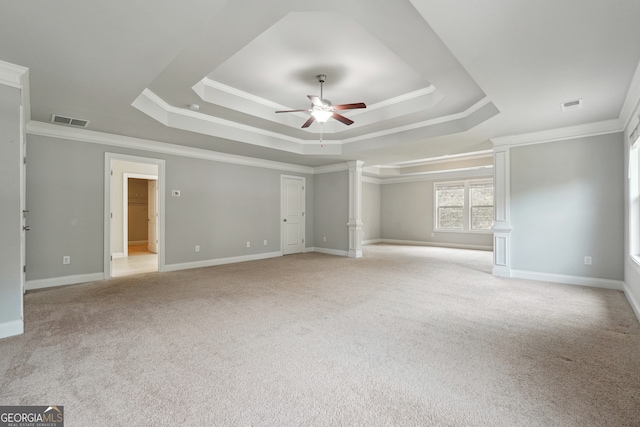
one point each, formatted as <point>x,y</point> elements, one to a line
<point>69,121</point>
<point>571,105</point>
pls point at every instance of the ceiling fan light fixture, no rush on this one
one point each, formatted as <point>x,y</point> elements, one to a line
<point>322,115</point>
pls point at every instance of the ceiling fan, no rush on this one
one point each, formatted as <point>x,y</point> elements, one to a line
<point>322,109</point>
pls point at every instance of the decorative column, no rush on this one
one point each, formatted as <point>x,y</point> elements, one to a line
<point>355,209</point>
<point>502,220</point>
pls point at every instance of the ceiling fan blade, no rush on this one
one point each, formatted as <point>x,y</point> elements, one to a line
<point>308,122</point>
<point>342,119</point>
<point>315,100</point>
<point>350,106</point>
<point>291,111</point>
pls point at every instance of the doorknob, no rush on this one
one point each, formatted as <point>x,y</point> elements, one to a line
<point>26,228</point>
<point>285,220</point>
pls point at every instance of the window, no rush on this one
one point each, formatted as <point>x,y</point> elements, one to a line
<point>464,206</point>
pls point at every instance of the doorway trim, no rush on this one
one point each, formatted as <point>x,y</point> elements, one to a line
<point>108,162</point>
<point>125,205</point>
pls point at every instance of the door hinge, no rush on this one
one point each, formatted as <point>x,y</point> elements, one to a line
<point>302,213</point>
<point>111,257</point>
<point>24,268</point>
<point>111,215</point>
<point>111,173</point>
<point>24,160</point>
<point>302,240</point>
<point>303,188</point>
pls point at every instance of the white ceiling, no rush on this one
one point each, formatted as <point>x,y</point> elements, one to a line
<point>439,77</point>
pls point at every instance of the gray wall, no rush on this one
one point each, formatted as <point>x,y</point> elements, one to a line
<point>370,211</point>
<point>331,210</point>
<point>407,214</point>
<point>10,214</point>
<point>222,206</point>
<point>567,202</point>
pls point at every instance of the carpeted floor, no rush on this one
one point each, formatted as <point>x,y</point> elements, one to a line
<point>404,336</point>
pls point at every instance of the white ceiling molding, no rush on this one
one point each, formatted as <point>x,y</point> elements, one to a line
<point>427,123</point>
<point>17,76</point>
<point>220,94</point>
<point>442,159</point>
<point>475,172</point>
<point>183,118</point>
<point>12,75</point>
<point>571,132</point>
<point>90,136</point>
<point>631,100</point>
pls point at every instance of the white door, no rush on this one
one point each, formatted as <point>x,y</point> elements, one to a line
<point>293,222</point>
<point>152,246</point>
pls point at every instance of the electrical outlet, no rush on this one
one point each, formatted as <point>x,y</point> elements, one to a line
<point>265,243</point>
<point>175,193</point>
<point>587,260</point>
<point>248,244</point>
<point>324,239</point>
<point>197,248</point>
<point>66,259</point>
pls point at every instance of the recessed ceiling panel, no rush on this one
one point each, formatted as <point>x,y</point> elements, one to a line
<point>281,64</point>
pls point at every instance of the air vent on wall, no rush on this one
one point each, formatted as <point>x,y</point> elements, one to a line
<point>69,121</point>
<point>571,105</point>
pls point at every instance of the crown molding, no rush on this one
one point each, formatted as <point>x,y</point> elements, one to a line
<point>632,99</point>
<point>438,160</point>
<point>17,76</point>
<point>181,118</point>
<point>13,75</point>
<point>473,172</point>
<point>580,131</point>
<point>444,119</point>
<point>90,136</point>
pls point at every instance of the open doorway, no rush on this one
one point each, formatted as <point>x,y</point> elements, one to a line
<point>139,223</point>
<point>134,216</point>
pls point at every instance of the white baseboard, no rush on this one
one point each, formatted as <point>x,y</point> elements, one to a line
<point>220,261</point>
<point>436,244</point>
<point>372,241</point>
<point>9,329</point>
<point>592,282</point>
<point>64,280</point>
<point>117,255</point>
<point>501,271</point>
<point>331,251</point>
<point>632,301</point>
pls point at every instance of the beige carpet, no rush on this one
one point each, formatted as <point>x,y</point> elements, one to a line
<point>406,336</point>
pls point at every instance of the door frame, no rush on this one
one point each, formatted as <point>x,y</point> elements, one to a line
<point>125,205</point>
<point>108,161</point>
<point>304,209</point>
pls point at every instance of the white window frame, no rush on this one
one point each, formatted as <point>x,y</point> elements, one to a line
<point>466,209</point>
